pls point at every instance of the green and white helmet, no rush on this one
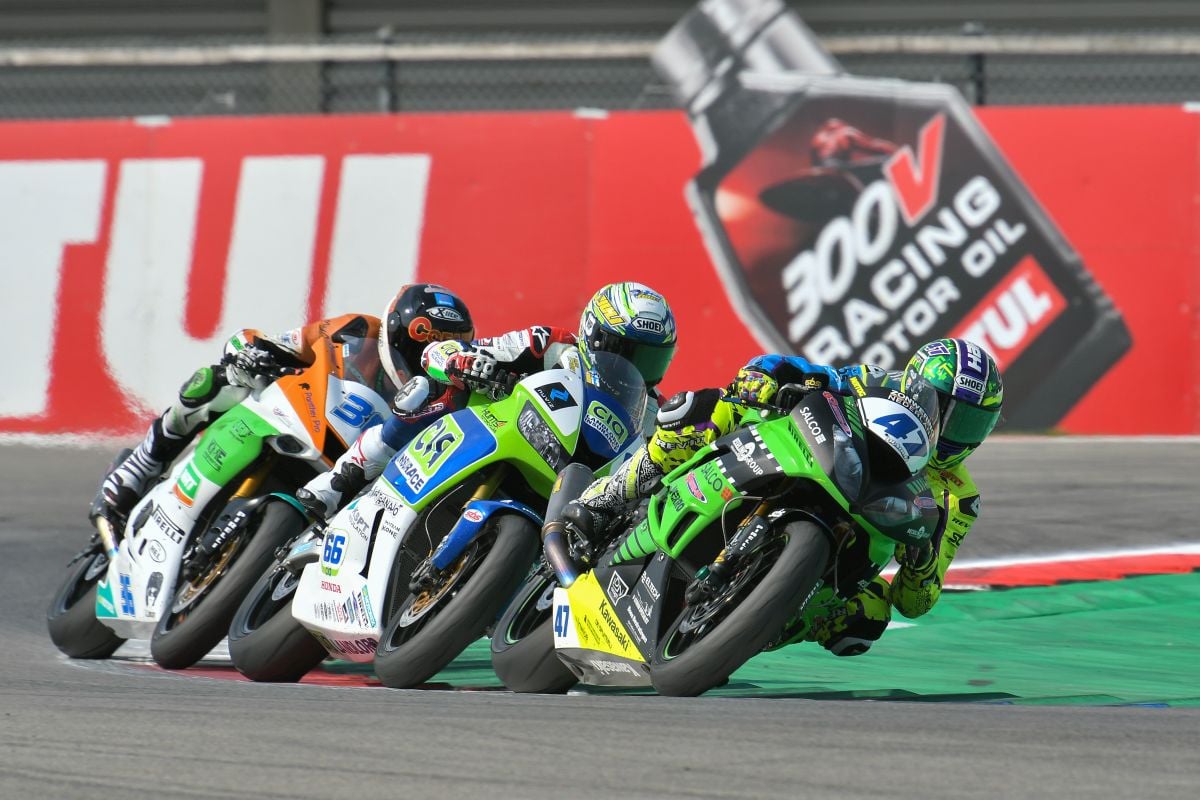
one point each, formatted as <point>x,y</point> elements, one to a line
<point>970,395</point>
<point>630,320</point>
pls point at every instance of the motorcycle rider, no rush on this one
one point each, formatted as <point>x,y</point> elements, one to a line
<point>970,395</point>
<point>627,319</point>
<point>419,314</point>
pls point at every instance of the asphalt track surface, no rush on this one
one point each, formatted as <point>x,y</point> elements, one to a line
<point>71,730</point>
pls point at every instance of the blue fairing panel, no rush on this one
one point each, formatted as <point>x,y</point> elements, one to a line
<point>461,441</point>
<point>607,427</point>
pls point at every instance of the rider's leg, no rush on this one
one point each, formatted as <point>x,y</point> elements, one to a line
<point>206,394</point>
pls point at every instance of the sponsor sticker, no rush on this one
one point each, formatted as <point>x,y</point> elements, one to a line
<point>606,422</point>
<point>555,396</point>
<point>158,553</point>
<point>187,485</point>
<point>617,588</point>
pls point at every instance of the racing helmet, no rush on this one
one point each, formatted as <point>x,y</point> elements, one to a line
<point>630,320</point>
<point>420,313</point>
<point>970,394</point>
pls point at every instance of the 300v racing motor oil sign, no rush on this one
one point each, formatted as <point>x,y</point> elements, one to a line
<point>868,217</point>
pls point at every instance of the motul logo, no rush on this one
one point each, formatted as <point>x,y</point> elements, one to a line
<point>1014,313</point>
<point>289,244</point>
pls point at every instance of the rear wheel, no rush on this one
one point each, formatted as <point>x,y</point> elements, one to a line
<point>709,640</point>
<point>430,628</point>
<point>71,617</point>
<point>523,642</point>
<point>199,616</point>
<point>265,642</point>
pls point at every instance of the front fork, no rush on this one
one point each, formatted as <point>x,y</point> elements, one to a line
<point>749,534</point>
<point>217,536</point>
<point>426,574</point>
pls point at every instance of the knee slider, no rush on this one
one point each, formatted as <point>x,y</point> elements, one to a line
<point>202,387</point>
<point>850,646</point>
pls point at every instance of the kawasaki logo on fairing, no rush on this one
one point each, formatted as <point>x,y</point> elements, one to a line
<point>614,626</point>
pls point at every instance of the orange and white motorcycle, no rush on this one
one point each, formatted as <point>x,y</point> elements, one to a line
<point>233,492</point>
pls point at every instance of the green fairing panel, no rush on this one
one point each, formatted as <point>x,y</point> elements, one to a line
<point>231,444</point>
<point>783,439</point>
<point>700,477</point>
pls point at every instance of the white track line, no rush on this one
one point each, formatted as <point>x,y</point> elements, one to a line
<point>1184,548</point>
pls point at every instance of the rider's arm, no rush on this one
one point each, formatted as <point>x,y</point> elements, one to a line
<point>526,350</point>
<point>796,369</point>
<point>517,352</point>
<point>402,426</point>
<point>915,591</point>
<point>297,343</point>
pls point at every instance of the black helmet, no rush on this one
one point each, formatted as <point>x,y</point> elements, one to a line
<point>420,313</point>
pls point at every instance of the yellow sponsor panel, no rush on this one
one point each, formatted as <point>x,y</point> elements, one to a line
<point>596,621</point>
<point>611,314</point>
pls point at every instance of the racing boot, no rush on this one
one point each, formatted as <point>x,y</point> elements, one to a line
<point>324,495</point>
<point>585,531</point>
<point>362,463</point>
<point>128,481</point>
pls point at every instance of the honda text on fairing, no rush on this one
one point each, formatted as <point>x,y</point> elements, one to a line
<point>201,536</point>
<point>780,504</point>
<point>417,568</point>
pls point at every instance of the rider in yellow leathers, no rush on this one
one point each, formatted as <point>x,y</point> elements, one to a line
<point>970,394</point>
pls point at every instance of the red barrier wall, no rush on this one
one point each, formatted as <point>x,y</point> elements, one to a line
<point>524,214</point>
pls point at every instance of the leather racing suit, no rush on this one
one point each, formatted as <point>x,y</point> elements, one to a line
<point>516,353</point>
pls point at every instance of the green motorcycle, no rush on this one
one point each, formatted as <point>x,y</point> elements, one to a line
<point>812,495</point>
<point>418,567</point>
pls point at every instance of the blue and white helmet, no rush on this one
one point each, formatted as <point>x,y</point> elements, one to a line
<point>630,320</point>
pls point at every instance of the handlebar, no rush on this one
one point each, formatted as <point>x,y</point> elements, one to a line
<point>786,398</point>
<point>263,363</point>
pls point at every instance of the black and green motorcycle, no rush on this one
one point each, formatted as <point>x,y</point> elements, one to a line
<point>807,500</point>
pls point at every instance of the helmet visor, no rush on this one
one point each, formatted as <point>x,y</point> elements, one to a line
<point>651,360</point>
<point>965,424</point>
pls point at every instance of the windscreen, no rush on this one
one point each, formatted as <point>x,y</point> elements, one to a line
<point>360,363</point>
<point>615,402</point>
<point>618,378</point>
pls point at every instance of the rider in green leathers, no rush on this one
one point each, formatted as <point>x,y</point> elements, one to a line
<point>970,394</point>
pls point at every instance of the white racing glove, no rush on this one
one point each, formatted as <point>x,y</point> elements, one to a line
<point>253,368</point>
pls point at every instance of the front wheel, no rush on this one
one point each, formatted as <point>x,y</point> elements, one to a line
<point>199,615</point>
<point>708,641</point>
<point>71,617</point>
<point>523,642</point>
<point>431,628</point>
<point>265,642</point>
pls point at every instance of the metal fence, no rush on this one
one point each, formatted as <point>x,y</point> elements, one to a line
<point>521,72</point>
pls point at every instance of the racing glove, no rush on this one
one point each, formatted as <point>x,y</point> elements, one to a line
<point>752,386</point>
<point>253,368</point>
<point>480,372</point>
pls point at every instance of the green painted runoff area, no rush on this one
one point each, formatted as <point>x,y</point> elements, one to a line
<point>1133,641</point>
